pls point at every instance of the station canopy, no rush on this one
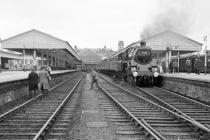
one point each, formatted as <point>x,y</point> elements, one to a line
<point>10,54</point>
<point>38,40</point>
<point>171,40</point>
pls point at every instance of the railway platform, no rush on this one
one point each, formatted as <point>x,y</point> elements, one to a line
<point>191,76</point>
<point>192,85</point>
<point>8,76</point>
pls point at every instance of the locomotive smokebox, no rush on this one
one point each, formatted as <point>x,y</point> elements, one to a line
<point>143,43</point>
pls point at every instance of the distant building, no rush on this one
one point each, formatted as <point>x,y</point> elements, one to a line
<point>76,48</point>
<point>120,45</point>
<point>91,57</point>
<point>104,52</point>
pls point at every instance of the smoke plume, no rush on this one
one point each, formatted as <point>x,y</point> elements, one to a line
<point>175,15</point>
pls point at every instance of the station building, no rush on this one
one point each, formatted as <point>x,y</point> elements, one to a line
<point>36,48</point>
<point>91,57</point>
<point>10,59</point>
<point>167,44</point>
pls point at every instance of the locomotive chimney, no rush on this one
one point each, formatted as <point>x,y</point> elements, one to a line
<point>143,43</point>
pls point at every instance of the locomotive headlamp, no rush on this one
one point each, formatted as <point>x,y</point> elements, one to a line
<point>154,69</point>
<point>155,74</point>
<point>133,68</point>
<point>135,74</point>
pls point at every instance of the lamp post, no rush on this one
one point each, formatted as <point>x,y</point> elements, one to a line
<point>177,48</point>
<point>0,56</point>
<point>205,39</point>
<point>24,59</point>
<point>168,56</point>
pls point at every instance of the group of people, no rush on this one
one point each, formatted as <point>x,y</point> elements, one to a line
<point>197,65</point>
<point>173,65</point>
<point>39,80</point>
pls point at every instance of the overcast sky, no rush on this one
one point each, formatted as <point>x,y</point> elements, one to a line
<point>96,23</point>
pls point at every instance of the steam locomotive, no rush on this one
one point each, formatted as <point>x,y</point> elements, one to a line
<point>134,64</point>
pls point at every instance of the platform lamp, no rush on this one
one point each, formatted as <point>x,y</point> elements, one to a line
<point>24,58</point>
<point>178,55</point>
<point>0,56</point>
<point>168,55</point>
<point>205,39</point>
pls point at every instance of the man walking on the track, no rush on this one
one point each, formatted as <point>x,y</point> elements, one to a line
<point>33,80</point>
<point>94,79</point>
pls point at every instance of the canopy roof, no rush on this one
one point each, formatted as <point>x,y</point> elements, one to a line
<point>172,40</point>
<point>35,39</point>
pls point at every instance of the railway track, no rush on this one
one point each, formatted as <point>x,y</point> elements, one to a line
<point>42,117</point>
<point>165,122</point>
<point>187,107</point>
<point>124,128</point>
<point>125,124</point>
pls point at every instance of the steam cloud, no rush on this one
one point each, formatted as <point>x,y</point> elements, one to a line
<point>176,17</point>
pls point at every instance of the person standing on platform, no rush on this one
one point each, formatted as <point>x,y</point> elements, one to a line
<point>175,65</point>
<point>33,79</point>
<point>164,67</point>
<point>188,63</point>
<point>171,66</point>
<point>94,79</point>
<point>44,81</point>
<point>197,65</point>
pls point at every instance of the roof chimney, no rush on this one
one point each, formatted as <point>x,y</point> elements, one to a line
<point>142,43</point>
<point>120,45</point>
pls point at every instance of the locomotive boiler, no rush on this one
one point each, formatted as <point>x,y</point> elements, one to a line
<point>134,64</point>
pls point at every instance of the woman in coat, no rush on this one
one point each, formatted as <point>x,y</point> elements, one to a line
<point>44,81</point>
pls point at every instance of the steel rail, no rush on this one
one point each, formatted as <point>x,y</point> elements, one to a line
<point>167,105</point>
<point>27,102</point>
<point>191,100</point>
<point>207,130</point>
<point>145,126</point>
<point>42,131</point>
